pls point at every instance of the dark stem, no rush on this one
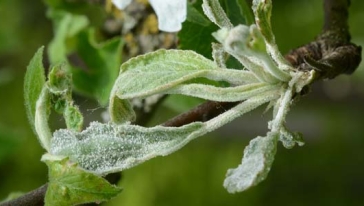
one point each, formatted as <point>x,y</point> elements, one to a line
<point>336,19</point>
<point>330,54</point>
<point>32,198</point>
<point>201,113</point>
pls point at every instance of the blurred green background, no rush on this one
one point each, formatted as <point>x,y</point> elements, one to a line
<point>328,170</point>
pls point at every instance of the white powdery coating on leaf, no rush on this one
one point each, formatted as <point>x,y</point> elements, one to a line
<point>216,14</point>
<point>107,148</point>
<point>159,71</point>
<point>231,94</point>
<point>255,166</point>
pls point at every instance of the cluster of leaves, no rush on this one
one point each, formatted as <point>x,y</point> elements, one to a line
<point>75,42</point>
<point>66,179</point>
<point>76,159</point>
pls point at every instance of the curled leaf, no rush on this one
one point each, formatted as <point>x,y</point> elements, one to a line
<point>121,110</point>
<point>247,45</point>
<point>107,148</point>
<point>154,73</point>
<point>59,79</point>
<point>262,11</point>
<point>42,112</point>
<point>219,55</point>
<point>255,166</point>
<point>290,139</point>
<point>171,72</point>
<point>216,14</point>
<point>33,83</point>
<point>73,117</point>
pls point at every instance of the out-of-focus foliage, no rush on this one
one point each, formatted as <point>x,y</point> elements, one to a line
<point>23,29</point>
<point>329,165</point>
<point>94,65</point>
<point>33,84</point>
<point>8,141</point>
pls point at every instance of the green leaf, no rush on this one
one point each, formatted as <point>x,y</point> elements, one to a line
<point>239,12</point>
<point>100,65</point>
<point>107,148</point>
<point>158,71</point>
<point>66,26</point>
<point>60,86</point>
<point>194,16</point>
<point>262,11</point>
<point>71,185</point>
<point>219,55</point>
<point>216,14</point>
<point>59,79</point>
<point>246,44</point>
<point>290,139</point>
<point>256,164</point>
<point>242,108</point>
<point>42,112</point>
<point>121,111</point>
<point>94,65</point>
<point>33,83</point>
<point>73,117</point>
<point>178,72</point>
<point>196,31</point>
<point>224,94</point>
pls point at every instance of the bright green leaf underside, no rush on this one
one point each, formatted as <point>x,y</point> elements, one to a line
<point>71,185</point>
<point>238,11</point>
<point>95,75</point>
<point>33,83</point>
<point>196,31</point>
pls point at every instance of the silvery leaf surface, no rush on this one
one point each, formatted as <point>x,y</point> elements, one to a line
<point>224,94</point>
<point>219,54</point>
<point>255,166</point>
<point>157,71</point>
<point>290,139</point>
<point>232,76</point>
<point>216,14</point>
<point>160,71</point>
<point>262,11</point>
<point>107,148</point>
